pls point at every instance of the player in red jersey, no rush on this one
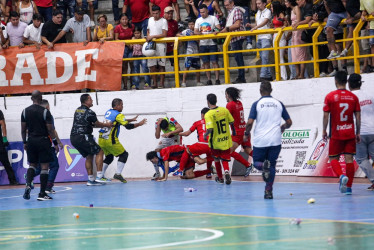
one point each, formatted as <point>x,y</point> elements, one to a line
<point>195,150</point>
<point>341,105</point>
<point>235,106</point>
<point>171,153</point>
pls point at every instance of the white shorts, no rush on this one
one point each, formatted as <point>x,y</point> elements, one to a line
<point>166,142</point>
<point>160,51</point>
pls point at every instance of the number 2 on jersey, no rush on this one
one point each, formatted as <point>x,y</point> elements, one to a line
<point>345,106</point>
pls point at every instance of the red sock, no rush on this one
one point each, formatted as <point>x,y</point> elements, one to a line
<point>336,167</point>
<point>218,169</point>
<point>240,159</point>
<point>350,169</point>
<point>225,165</point>
<point>201,173</point>
<point>184,160</point>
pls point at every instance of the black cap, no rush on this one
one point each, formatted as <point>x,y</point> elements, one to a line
<point>80,10</point>
<point>355,78</point>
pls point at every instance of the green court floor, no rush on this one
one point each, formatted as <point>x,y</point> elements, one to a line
<point>121,228</point>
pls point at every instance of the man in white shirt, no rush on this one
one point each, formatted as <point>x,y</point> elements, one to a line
<point>266,139</point>
<point>365,148</point>
<point>157,28</point>
<point>32,34</point>
<point>204,25</point>
<point>263,18</point>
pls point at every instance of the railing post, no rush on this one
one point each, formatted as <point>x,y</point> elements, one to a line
<point>276,55</point>
<point>356,47</point>
<point>226,59</point>
<point>176,62</point>
<point>315,50</point>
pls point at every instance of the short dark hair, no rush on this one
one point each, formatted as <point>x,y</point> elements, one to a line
<point>37,16</point>
<point>44,102</point>
<point>265,87</point>
<point>205,110</point>
<point>191,21</point>
<point>341,77</point>
<point>122,15</point>
<point>137,29</point>
<point>203,6</point>
<point>14,14</point>
<point>233,93</point>
<point>156,8</point>
<point>116,101</point>
<point>36,96</point>
<point>151,155</point>
<point>164,124</point>
<point>84,98</point>
<point>212,99</point>
<point>354,81</point>
<point>264,1</point>
<point>56,12</point>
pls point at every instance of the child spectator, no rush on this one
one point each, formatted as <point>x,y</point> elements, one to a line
<point>32,34</point>
<point>192,48</point>
<point>137,52</point>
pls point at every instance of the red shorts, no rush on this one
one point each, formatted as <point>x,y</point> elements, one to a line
<point>338,147</point>
<point>224,155</point>
<point>239,140</point>
<point>200,149</point>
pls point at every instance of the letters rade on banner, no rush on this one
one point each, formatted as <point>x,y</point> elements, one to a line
<point>66,67</point>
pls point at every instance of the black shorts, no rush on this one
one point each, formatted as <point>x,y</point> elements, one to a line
<point>39,150</point>
<point>85,144</point>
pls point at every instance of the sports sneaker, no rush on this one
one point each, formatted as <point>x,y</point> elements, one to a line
<point>95,183</point>
<point>220,181</point>
<point>371,188</point>
<point>156,176</point>
<point>50,191</point>
<point>323,74</point>
<point>218,82</point>
<point>133,87</point>
<point>333,73</point>
<point>248,170</point>
<point>344,53</point>
<point>102,179</point>
<point>146,86</point>
<point>183,85</point>
<point>120,178</point>
<point>268,195</point>
<point>209,82</point>
<point>31,184</point>
<point>208,176</point>
<point>26,195</point>
<point>44,197</point>
<point>349,191</point>
<point>178,173</point>
<point>249,46</point>
<point>228,178</point>
<point>343,183</point>
<point>266,172</point>
<point>199,84</point>
<point>333,55</point>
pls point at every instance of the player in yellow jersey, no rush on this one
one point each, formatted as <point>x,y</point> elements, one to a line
<point>109,142</point>
<point>218,121</point>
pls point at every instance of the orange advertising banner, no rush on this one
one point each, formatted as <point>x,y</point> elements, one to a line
<point>66,67</point>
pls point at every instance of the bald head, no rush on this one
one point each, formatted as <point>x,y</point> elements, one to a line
<point>36,96</point>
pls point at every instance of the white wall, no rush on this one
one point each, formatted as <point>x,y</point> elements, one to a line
<point>303,99</point>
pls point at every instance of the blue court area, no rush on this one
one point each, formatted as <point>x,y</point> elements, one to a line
<point>147,214</point>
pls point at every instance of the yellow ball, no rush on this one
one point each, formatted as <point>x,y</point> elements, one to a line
<point>311,200</point>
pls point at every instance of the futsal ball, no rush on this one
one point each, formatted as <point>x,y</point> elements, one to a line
<point>149,49</point>
<point>311,201</point>
<point>76,215</point>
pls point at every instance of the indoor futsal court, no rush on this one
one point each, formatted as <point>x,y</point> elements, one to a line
<point>152,215</point>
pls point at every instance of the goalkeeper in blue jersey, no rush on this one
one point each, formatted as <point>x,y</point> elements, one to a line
<point>109,142</point>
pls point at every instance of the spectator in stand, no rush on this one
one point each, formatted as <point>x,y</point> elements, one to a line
<point>52,28</point>
<point>235,23</point>
<point>3,34</point>
<point>140,13</point>
<point>44,9</point>
<point>9,6</point>
<point>26,9</point>
<point>205,25</point>
<point>66,5</point>
<point>165,3</point>
<point>157,28</point>
<point>190,5</point>
<point>367,7</point>
<point>245,5</point>
<point>263,18</point>
<point>212,5</point>
<point>137,52</point>
<point>123,31</point>
<point>192,48</point>
<point>79,25</point>
<point>279,21</point>
<point>172,31</point>
<point>32,34</point>
<point>90,3</point>
<point>104,31</point>
<point>15,30</point>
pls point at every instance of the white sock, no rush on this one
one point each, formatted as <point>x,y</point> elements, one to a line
<point>99,174</point>
<point>120,166</point>
<point>91,178</point>
<point>156,169</point>
<point>105,167</point>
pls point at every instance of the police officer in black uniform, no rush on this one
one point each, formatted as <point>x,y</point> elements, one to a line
<point>82,139</point>
<point>36,121</point>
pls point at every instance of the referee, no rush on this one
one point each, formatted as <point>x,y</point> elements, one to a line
<point>37,122</point>
<point>82,139</point>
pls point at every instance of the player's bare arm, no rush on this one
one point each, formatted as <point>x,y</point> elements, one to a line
<point>103,124</point>
<point>185,133</point>
<point>324,125</point>
<point>165,176</point>
<point>286,125</point>
<point>248,128</point>
<point>52,134</point>
<point>133,119</point>
<point>232,128</point>
<point>207,133</point>
<point>358,126</point>
<point>158,129</point>
<point>178,129</point>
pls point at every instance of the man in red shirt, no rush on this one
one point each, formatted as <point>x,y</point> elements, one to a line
<point>165,3</point>
<point>235,106</point>
<point>341,105</point>
<point>172,31</point>
<point>140,11</point>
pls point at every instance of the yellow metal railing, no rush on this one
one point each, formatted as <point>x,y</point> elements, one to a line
<point>226,52</point>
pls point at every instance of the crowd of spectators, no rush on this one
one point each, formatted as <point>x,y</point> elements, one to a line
<point>38,22</point>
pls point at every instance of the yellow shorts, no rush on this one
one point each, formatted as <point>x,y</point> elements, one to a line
<point>111,149</point>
